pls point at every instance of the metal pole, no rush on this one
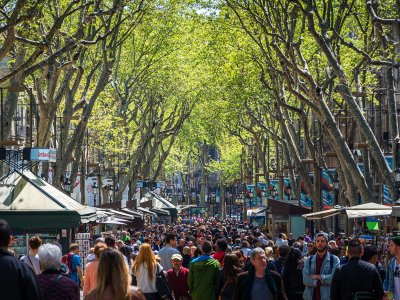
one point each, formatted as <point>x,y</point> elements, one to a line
<point>2,116</point>
<point>30,122</point>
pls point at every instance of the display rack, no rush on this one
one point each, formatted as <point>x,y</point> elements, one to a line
<point>83,240</point>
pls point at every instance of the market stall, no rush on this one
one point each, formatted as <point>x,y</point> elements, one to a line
<point>358,211</point>
<point>34,207</point>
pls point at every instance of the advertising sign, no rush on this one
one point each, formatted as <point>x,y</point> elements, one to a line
<point>40,154</point>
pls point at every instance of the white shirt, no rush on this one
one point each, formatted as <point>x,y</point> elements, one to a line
<point>143,281</point>
<point>33,262</point>
<point>280,242</point>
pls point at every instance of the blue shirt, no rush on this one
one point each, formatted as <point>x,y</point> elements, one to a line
<point>76,262</point>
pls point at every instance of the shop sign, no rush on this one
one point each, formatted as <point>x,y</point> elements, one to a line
<point>40,154</point>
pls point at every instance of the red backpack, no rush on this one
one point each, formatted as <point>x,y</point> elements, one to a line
<point>67,260</point>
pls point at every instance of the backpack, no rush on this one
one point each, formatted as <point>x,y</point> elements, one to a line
<point>67,261</point>
<point>330,262</point>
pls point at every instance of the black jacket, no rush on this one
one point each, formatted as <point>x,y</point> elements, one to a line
<point>356,276</point>
<point>245,281</point>
<point>17,280</point>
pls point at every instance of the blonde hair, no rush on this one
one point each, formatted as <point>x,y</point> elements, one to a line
<point>113,273</point>
<point>145,256</point>
<point>186,250</point>
<point>98,249</point>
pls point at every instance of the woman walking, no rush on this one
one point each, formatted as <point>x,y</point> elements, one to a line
<point>227,276</point>
<point>145,268</point>
<point>91,269</point>
<point>293,275</point>
<point>113,280</point>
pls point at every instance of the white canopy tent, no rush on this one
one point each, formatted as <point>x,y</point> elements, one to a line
<point>358,211</point>
<point>368,210</point>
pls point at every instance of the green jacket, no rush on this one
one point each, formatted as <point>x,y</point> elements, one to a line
<point>203,273</point>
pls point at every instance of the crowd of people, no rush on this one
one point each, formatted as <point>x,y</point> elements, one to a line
<point>205,260</point>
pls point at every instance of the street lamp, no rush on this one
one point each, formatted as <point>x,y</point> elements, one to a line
<point>336,194</point>
<point>251,195</point>
<point>67,185</point>
<point>397,175</point>
<point>94,188</point>
<point>289,190</point>
<point>273,192</point>
<point>240,201</point>
<point>397,179</point>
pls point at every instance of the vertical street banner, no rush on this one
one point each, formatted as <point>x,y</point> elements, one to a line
<point>327,192</point>
<point>387,199</point>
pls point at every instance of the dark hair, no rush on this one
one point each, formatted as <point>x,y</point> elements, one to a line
<point>206,247</point>
<point>170,236</point>
<point>369,252</point>
<point>5,233</point>
<point>126,251</point>
<point>334,251</point>
<point>283,250</point>
<point>110,241</point>
<point>355,247</point>
<point>197,252</point>
<point>222,244</point>
<point>232,267</point>
<point>35,242</point>
<point>293,263</point>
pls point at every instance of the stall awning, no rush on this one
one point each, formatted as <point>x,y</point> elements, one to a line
<point>368,210</point>
<point>358,211</point>
<point>322,214</point>
<point>137,214</point>
<point>259,211</point>
<point>147,212</point>
<point>24,195</point>
<point>159,202</point>
<point>160,212</point>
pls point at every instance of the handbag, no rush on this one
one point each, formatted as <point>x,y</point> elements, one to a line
<point>223,288</point>
<point>162,285</point>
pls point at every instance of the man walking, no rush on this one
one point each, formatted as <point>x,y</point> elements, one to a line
<point>178,278</point>
<point>220,249</point>
<point>17,280</point>
<point>357,277</point>
<point>74,263</point>
<point>279,264</point>
<point>318,271</point>
<point>259,283</point>
<point>166,252</point>
<point>392,280</point>
<point>203,272</point>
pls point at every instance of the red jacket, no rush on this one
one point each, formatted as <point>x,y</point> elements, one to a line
<point>179,283</point>
<point>220,255</point>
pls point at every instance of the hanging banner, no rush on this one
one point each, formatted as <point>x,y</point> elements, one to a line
<point>387,199</point>
<point>327,192</point>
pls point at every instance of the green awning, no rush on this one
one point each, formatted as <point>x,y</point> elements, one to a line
<point>40,219</point>
<point>27,201</point>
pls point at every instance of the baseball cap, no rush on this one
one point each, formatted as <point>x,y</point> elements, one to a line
<point>176,256</point>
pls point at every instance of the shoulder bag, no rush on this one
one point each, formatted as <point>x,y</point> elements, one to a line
<point>223,288</point>
<point>162,285</point>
